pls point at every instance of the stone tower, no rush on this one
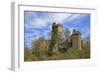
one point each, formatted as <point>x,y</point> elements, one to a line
<point>76,40</point>
<point>57,38</point>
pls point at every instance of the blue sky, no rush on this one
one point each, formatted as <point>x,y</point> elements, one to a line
<point>38,24</point>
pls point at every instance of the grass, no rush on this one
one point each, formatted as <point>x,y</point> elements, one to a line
<point>70,54</point>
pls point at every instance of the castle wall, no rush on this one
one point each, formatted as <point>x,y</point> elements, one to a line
<point>77,42</point>
<point>56,39</point>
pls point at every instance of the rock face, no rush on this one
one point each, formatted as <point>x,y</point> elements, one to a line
<point>57,38</point>
<point>76,40</point>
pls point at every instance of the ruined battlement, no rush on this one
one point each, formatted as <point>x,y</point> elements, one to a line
<point>58,36</point>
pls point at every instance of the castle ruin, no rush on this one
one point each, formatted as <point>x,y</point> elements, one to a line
<point>76,40</point>
<point>58,39</point>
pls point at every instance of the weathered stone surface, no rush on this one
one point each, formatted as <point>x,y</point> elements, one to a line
<point>59,42</point>
<point>57,37</point>
<point>76,40</point>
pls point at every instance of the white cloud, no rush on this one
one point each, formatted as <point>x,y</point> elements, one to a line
<point>58,17</point>
<point>73,16</point>
<point>38,23</point>
<point>76,16</point>
<point>42,21</point>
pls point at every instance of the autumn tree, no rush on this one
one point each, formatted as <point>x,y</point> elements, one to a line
<point>67,33</point>
<point>40,45</point>
<point>86,42</point>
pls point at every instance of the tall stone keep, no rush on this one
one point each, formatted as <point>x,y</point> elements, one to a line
<point>76,40</point>
<point>57,37</point>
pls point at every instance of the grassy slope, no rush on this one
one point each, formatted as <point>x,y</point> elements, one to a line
<point>70,54</point>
